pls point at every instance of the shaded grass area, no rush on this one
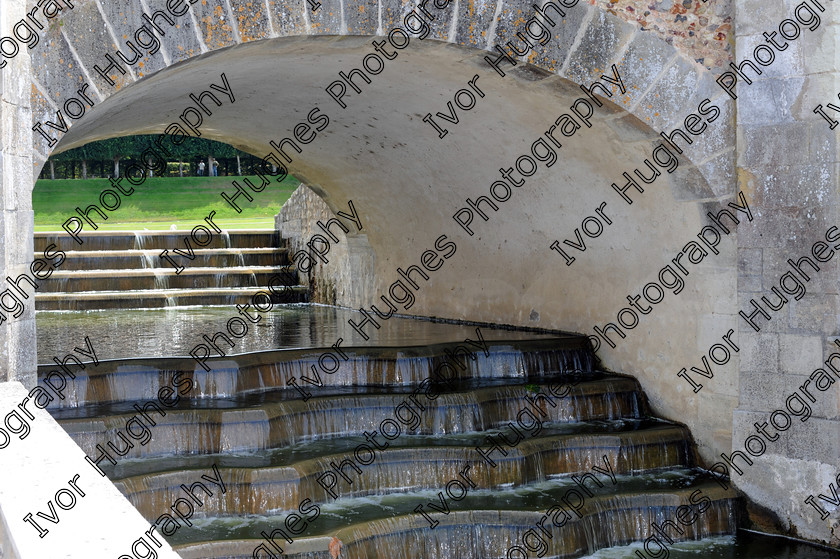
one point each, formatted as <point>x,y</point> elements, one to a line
<point>159,203</point>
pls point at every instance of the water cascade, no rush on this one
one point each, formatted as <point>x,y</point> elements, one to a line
<point>578,427</point>
<point>125,270</point>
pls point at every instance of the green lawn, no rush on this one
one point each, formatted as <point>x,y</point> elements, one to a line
<point>159,203</point>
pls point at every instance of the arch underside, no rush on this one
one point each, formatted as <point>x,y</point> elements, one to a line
<point>407,183</point>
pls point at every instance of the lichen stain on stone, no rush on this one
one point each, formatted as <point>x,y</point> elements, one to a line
<point>746,184</point>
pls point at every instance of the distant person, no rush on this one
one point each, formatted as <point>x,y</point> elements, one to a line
<point>215,168</point>
<point>335,547</point>
<point>201,168</point>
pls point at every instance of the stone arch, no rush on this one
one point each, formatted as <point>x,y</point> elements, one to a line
<point>666,84</point>
<point>663,87</point>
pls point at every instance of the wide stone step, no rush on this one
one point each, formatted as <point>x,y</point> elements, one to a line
<point>484,523</point>
<point>156,240</point>
<point>204,257</point>
<point>409,463</point>
<point>264,375</point>
<point>84,281</point>
<point>152,299</point>
<point>275,424</point>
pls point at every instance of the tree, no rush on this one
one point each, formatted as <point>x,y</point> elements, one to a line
<point>131,147</point>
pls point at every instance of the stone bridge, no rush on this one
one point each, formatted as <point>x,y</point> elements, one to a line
<point>377,148</point>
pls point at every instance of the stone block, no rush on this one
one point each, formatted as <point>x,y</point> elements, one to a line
<point>761,391</point>
<point>690,184</point>
<point>126,19</point>
<point>787,63</point>
<point>41,111</point>
<point>599,47</point>
<point>252,19</point>
<point>823,281</point>
<point>758,106</point>
<point>816,439</point>
<point>750,285</point>
<point>822,147</point>
<point>778,321</point>
<point>718,137</point>
<point>23,362</point>
<point>806,185</point>
<point>16,129</point>
<point>759,352</point>
<point>553,55</point>
<point>288,18</point>
<point>631,129</point>
<point>181,41</point>
<point>475,19</point>
<point>665,105</point>
<point>646,57</point>
<point>758,16</point>
<point>214,23</point>
<point>720,173</point>
<point>326,20</point>
<point>91,40</point>
<point>54,58</point>
<point>750,261</point>
<point>774,145</point>
<point>822,56</point>
<point>20,189</point>
<point>4,213</point>
<point>361,17</point>
<point>20,225</point>
<point>393,12</point>
<point>816,313</point>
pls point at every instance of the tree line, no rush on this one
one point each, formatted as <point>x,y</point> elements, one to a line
<point>102,159</point>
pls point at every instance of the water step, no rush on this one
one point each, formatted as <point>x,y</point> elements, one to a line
<point>412,463</point>
<point>484,524</point>
<point>130,380</point>
<point>152,299</point>
<point>274,424</point>
<point>192,277</point>
<point>155,240</point>
<point>139,259</point>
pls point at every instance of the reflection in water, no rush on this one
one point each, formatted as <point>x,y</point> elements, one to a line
<point>175,331</point>
<point>271,447</point>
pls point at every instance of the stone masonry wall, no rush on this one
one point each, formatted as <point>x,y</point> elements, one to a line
<point>788,168</point>
<point>701,29</point>
<point>17,339</point>
<point>348,277</point>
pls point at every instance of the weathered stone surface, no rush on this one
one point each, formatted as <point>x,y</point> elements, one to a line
<point>701,29</point>
<point>350,277</point>
<point>407,182</point>
<point>393,13</point>
<point>597,49</point>
<point>361,17</point>
<point>214,23</point>
<point>126,20</point>
<point>181,41</point>
<point>552,56</point>
<point>475,18</point>
<point>91,41</point>
<point>645,58</point>
<point>251,19</point>
<point>665,106</point>
<point>327,20</point>
<point>720,173</point>
<point>57,70</point>
<point>288,18</point>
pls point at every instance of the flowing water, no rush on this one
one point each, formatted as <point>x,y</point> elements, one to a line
<point>580,467</point>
